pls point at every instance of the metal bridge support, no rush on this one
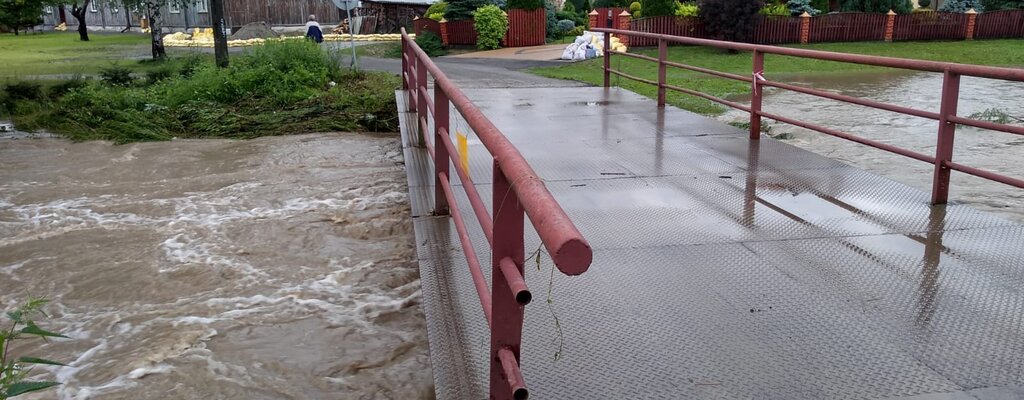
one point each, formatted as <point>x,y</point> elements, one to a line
<point>947,130</point>
<point>507,325</point>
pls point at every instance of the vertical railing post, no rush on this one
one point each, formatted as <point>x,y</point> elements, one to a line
<point>756,95</point>
<point>421,98</point>
<point>607,59</point>
<point>411,94</point>
<point>441,157</point>
<point>662,56</point>
<point>506,312</point>
<point>405,64</point>
<point>947,130</point>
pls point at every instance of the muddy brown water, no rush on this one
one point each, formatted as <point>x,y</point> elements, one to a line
<point>281,267</point>
<point>990,150</point>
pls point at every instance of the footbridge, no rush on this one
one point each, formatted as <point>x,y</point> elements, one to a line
<point>591,243</point>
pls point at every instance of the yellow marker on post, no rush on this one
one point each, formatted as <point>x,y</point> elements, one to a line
<point>463,150</point>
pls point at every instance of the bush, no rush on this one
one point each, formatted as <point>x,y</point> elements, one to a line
<point>577,31</point>
<point>117,75</point>
<point>436,11</point>
<point>732,20</point>
<point>525,4</point>
<point>564,26</point>
<point>62,89</point>
<point>569,7</point>
<point>190,66</point>
<point>993,5</point>
<point>552,21</point>
<point>491,24</point>
<point>431,44</point>
<point>458,10</point>
<point>924,3</point>
<point>159,74</point>
<point>611,3</point>
<point>687,9</point>
<point>961,6</point>
<point>877,6</point>
<point>799,7</point>
<point>634,8</point>
<point>24,90</point>
<point>654,8</point>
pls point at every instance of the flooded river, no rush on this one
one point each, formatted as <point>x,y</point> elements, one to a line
<point>275,268</point>
<point>990,150</point>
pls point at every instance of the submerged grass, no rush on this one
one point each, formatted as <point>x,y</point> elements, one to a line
<point>984,52</point>
<point>279,88</point>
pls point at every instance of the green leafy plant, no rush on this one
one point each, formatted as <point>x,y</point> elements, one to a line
<point>799,7</point>
<point>634,8</point>
<point>14,373</point>
<point>687,9</point>
<point>491,24</point>
<point>458,10</point>
<point>63,88</point>
<point>436,10</point>
<point>159,74</point>
<point>431,44</point>
<point>993,5</point>
<point>117,75</point>
<point>775,9</point>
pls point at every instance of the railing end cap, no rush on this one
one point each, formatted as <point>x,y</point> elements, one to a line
<point>573,257</point>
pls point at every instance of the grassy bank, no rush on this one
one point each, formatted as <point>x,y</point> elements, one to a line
<point>280,88</point>
<point>53,53</point>
<point>1008,52</point>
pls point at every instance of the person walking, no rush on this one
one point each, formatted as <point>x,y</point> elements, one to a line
<point>313,31</point>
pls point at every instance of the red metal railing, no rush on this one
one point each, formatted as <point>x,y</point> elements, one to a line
<point>947,115</point>
<point>516,190</point>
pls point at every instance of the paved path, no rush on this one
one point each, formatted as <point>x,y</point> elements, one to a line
<point>478,72</point>
<point>724,268</point>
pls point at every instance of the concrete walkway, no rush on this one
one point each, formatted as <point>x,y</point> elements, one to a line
<point>723,268</point>
<point>549,52</point>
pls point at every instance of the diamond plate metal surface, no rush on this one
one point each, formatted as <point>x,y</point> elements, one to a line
<point>726,270</point>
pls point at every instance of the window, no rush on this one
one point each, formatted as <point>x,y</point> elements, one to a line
<point>175,9</point>
<point>202,6</point>
<point>92,7</point>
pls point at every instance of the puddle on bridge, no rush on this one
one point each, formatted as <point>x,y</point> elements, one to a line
<point>279,267</point>
<point>989,150</point>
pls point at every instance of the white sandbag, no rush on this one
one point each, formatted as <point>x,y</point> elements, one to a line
<point>581,53</point>
<point>569,52</point>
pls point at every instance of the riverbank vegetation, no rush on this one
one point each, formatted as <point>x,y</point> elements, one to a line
<point>279,88</point>
<point>985,52</point>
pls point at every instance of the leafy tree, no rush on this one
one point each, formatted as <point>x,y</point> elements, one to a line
<point>18,14</point>
<point>462,9</point>
<point>611,3</point>
<point>878,6</point>
<point>961,6</point>
<point>436,10</point>
<point>732,20</point>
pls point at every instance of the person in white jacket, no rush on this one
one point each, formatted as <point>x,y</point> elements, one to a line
<point>313,31</point>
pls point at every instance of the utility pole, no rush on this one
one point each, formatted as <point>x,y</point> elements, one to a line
<point>220,38</point>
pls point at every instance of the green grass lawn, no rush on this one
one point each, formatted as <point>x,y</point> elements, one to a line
<point>1008,52</point>
<point>62,53</point>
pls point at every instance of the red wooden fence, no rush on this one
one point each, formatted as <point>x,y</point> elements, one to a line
<point>669,25</point>
<point>426,24</point>
<point>526,28</point>
<point>777,30</point>
<point>461,32</point>
<point>1000,24</point>
<point>847,27</point>
<point>930,26</point>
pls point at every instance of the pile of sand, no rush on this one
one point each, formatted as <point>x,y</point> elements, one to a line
<point>255,30</point>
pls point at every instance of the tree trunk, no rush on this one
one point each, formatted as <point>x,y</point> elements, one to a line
<point>79,14</point>
<point>155,33</point>
<point>127,17</point>
<point>220,40</point>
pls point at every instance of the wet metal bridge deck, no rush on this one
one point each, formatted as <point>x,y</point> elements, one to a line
<point>723,268</point>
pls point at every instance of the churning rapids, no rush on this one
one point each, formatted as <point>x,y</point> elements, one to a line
<point>280,267</point>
